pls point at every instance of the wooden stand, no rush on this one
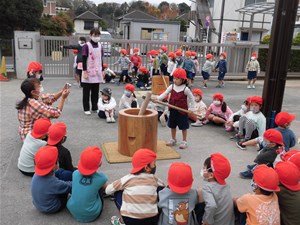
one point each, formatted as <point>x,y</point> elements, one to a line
<point>137,131</point>
<point>158,84</point>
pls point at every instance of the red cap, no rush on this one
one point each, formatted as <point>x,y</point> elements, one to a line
<point>248,99</point>
<point>105,66</point>
<point>34,67</point>
<point>274,136</point>
<point>194,54</point>
<point>171,54</point>
<point>45,159</point>
<point>136,50</point>
<point>188,53</point>
<point>289,175</point>
<point>166,98</point>
<point>218,96</point>
<point>180,177</point>
<point>142,69</point>
<point>164,48</point>
<point>179,73</point>
<point>283,118</point>
<point>293,156</point>
<point>129,87</point>
<point>40,127</point>
<point>154,52</point>
<point>142,158</point>
<point>90,160</point>
<point>75,51</point>
<point>178,53</point>
<point>254,54</point>
<point>256,99</point>
<point>220,167</point>
<point>197,91</point>
<point>224,54</point>
<point>123,51</point>
<point>56,133</point>
<point>209,56</point>
<point>266,178</point>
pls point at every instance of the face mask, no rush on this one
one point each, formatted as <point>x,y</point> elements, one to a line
<point>216,102</point>
<point>264,144</point>
<point>38,76</point>
<point>252,58</point>
<point>153,170</point>
<point>254,109</point>
<point>253,185</point>
<point>127,93</point>
<point>95,39</point>
<point>244,108</point>
<point>221,57</point>
<point>193,57</point>
<point>197,99</point>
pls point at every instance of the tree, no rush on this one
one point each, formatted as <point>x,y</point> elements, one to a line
<point>183,8</point>
<point>163,6</point>
<point>59,25</point>
<point>137,5</point>
<point>103,24</point>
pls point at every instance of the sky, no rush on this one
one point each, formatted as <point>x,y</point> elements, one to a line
<point>154,2</point>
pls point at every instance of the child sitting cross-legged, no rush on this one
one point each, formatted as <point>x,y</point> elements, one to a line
<point>200,109</point>
<point>143,78</point>
<point>107,105</point>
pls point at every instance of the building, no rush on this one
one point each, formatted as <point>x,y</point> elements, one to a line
<point>85,22</point>
<point>49,7</point>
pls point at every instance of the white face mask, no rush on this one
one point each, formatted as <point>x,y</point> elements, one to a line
<point>221,57</point>
<point>254,109</point>
<point>127,93</point>
<point>38,76</point>
<point>81,43</point>
<point>244,108</point>
<point>193,57</point>
<point>95,39</point>
<point>217,102</point>
<point>252,58</point>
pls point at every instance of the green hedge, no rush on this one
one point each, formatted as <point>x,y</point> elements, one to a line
<point>294,65</point>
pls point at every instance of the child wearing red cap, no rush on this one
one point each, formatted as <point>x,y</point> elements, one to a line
<point>49,193</point>
<point>143,78</point>
<point>218,112</point>
<point>293,156</point>
<point>33,141</point>
<point>207,68</point>
<point>128,99</point>
<point>252,69</point>
<point>179,58</point>
<point>222,66</point>
<point>195,61</point>
<point>262,207</point>
<point>109,75</point>
<point>163,60</point>
<point>273,147</point>
<point>155,63</point>
<point>180,95</point>
<point>35,70</point>
<point>125,63</point>
<point>107,105</point>
<point>200,108</point>
<point>136,193</point>
<point>86,203</point>
<point>216,205</point>
<point>177,201</point>
<point>137,62</point>
<point>171,65</point>
<point>289,194</point>
<point>189,67</point>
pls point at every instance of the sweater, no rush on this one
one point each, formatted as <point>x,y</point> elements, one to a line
<point>124,62</point>
<point>208,66</point>
<point>260,121</point>
<point>222,65</point>
<point>217,111</point>
<point>171,67</point>
<point>253,65</point>
<point>125,102</point>
<point>289,138</point>
<point>111,104</point>
<point>188,65</point>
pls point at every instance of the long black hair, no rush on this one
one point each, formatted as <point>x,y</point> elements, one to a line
<point>27,87</point>
<point>224,107</point>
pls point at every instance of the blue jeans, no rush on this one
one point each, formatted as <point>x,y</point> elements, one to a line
<point>65,175</point>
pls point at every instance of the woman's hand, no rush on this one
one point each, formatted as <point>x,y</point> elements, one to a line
<point>85,75</point>
<point>65,93</point>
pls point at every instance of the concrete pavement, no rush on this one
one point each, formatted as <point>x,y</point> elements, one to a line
<point>16,206</point>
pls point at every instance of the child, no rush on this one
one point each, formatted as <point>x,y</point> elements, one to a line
<point>261,207</point>
<point>179,59</point>
<point>56,137</point>
<point>293,156</point>
<point>177,201</point>
<point>163,60</point>
<point>171,65</point>
<point>85,203</point>
<point>233,121</point>
<point>136,193</point>
<point>143,78</point>
<point>49,194</point>
<point>109,75</point>
<point>107,105</point>
<point>207,68</point>
<point>200,108</point>
<point>189,67</point>
<point>179,97</point>
<point>155,64</point>
<point>136,60</point>
<point>253,69</point>
<point>125,63</point>
<point>215,194</point>
<point>253,123</point>
<point>218,112</point>
<point>162,110</point>
<point>289,195</point>
<point>268,154</point>
<point>35,70</point>
<point>33,141</point>
<point>283,120</point>
<point>222,66</point>
<point>128,99</point>
<point>195,61</point>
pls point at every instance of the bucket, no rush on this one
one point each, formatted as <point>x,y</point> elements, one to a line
<point>158,84</point>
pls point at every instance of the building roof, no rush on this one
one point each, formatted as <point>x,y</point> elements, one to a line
<point>87,15</point>
<point>136,14</point>
<point>150,21</point>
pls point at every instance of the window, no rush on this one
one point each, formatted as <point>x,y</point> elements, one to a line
<point>249,2</point>
<point>88,25</point>
<point>146,33</point>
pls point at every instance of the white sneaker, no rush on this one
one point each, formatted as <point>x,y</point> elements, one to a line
<point>172,142</point>
<point>198,123</point>
<point>88,113</point>
<point>108,119</point>
<point>183,145</point>
<point>253,86</point>
<point>249,86</point>
<point>112,119</point>
<point>112,81</point>
<point>162,120</point>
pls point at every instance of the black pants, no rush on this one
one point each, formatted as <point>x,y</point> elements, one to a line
<point>87,91</point>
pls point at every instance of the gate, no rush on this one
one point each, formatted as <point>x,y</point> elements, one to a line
<point>56,61</point>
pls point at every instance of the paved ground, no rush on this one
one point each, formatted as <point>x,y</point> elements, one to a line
<point>16,206</point>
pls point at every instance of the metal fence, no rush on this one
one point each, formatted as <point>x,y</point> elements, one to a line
<point>7,49</point>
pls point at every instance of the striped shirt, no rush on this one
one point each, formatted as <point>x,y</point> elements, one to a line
<point>139,199</point>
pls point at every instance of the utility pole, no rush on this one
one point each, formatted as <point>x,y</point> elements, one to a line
<point>221,23</point>
<point>280,47</point>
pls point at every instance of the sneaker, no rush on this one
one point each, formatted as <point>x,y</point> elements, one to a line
<point>172,142</point>
<point>228,129</point>
<point>112,119</point>
<point>240,145</point>
<point>112,81</point>
<point>163,121</point>
<point>198,123</point>
<point>218,86</point>
<point>183,145</point>
<point>115,220</point>
<point>223,85</point>
<point>142,88</point>
<point>108,120</point>
<point>88,113</point>
<point>205,86</point>
<point>249,86</point>
<point>253,86</point>
<point>94,111</point>
<point>251,167</point>
<point>205,122</point>
<point>246,174</point>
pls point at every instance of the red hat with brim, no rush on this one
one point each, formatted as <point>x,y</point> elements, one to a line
<point>90,160</point>
<point>179,73</point>
<point>56,133</point>
<point>293,156</point>
<point>274,136</point>
<point>40,127</point>
<point>180,177</point>
<point>142,158</point>
<point>209,56</point>
<point>34,67</point>
<point>224,54</point>
<point>289,175</point>
<point>45,160</point>
<point>164,48</point>
<point>142,69</point>
<point>129,87</point>
<point>171,54</point>
<point>256,99</point>
<point>283,118</point>
<point>197,91</point>
<point>218,96</point>
<point>123,51</point>
<point>136,50</point>
<point>220,166</point>
<point>266,178</point>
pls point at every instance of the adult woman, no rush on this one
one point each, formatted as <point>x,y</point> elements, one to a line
<point>35,105</point>
<point>92,54</point>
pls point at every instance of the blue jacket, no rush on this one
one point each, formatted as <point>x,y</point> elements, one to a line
<point>222,65</point>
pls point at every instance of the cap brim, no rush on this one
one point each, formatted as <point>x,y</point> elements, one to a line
<point>35,135</point>
<point>135,170</point>
<point>85,171</point>
<point>292,187</point>
<point>179,190</point>
<point>220,181</point>
<point>52,142</point>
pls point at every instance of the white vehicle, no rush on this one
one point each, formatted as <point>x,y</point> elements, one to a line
<point>106,45</point>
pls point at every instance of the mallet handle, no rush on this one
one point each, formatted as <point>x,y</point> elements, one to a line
<point>145,104</point>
